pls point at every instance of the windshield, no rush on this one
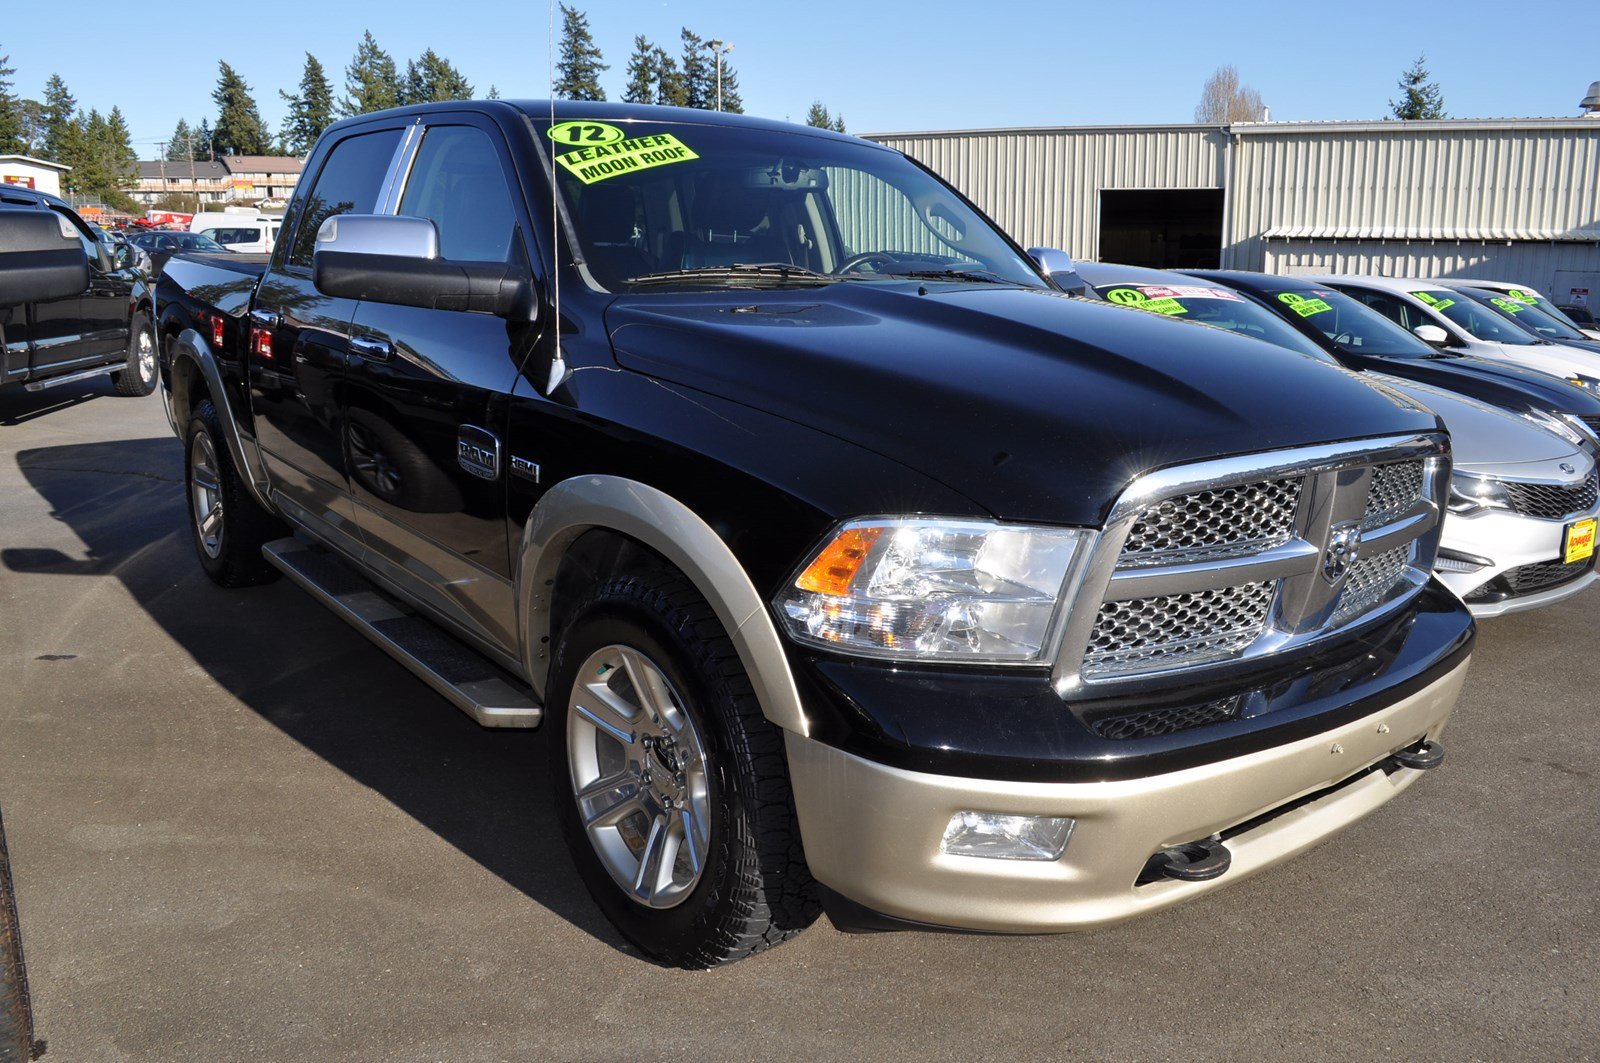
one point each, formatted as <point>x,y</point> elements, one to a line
<point>1534,299</point>
<point>1530,317</point>
<point>1479,321</point>
<point>1218,307</point>
<point>1348,324</point>
<point>648,199</point>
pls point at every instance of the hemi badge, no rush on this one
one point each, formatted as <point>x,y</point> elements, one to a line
<point>524,468</point>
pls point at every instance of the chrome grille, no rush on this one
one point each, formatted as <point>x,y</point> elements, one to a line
<point>1395,489</point>
<point>1369,582</point>
<point>1243,518</point>
<point>1177,629</point>
<point>1552,501</point>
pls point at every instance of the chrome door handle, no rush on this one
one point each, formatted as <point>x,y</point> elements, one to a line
<point>264,318</point>
<point>372,348</point>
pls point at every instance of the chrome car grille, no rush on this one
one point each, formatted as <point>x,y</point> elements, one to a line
<point>1238,558</point>
<point>1553,501</point>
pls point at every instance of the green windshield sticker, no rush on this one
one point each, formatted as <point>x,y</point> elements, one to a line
<point>599,161</point>
<point>1437,304</point>
<point>1510,306</point>
<point>1524,297</point>
<point>1137,299</point>
<point>576,133</point>
<point>1303,306</point>
<point>1425,297</point>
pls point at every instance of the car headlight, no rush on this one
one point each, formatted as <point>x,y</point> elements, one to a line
<point>1565,425</point>
<point>928,589</point>
<point>1470,493</point>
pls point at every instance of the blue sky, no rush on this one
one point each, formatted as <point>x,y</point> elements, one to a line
<point>886,65</point>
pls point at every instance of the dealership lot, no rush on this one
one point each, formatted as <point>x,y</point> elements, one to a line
<point>217,858</point>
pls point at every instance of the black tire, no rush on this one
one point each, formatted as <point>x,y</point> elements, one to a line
<point>16,1016</point>
<point>138,377</point>
<point>755,890</point>
<point>234,559</point>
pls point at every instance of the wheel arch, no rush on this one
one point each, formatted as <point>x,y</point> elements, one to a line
<point>193,374</point>
<point>572,509</point>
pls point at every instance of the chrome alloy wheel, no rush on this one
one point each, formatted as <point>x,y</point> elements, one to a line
<point>639,775</point>
<point>205,494</point>
<point>146,348</point>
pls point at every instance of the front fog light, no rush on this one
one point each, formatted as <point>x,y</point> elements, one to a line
<point>999,836</point>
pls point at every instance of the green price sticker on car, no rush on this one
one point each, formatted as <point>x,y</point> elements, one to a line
<point>1303,306</point>
<point>604,155</point>
<point>1524,297</point>
<point>1510,306</point>
<point>1140,301</point>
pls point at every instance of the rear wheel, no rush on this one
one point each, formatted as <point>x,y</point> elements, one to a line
<point>671,786</point>
<point>228,526</point>
<point>138,377</point>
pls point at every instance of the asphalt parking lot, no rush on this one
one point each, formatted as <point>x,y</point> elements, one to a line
<point>241,832</point>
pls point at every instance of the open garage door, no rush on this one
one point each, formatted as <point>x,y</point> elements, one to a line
<point>1162,228</point>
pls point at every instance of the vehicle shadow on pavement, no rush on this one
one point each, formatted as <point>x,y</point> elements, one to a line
<point>299,667</point>
<point>19,406</point>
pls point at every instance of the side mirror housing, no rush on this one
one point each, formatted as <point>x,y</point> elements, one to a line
<point>389,259</point>
<point>41,258</point>
<point>1432,334</point>
<point>1059,267</point>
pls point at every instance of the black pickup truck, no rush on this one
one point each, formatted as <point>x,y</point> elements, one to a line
<point>103,328</point>
<point>851,564</point>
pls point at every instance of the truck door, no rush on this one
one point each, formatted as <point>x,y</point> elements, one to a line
<point>57,331</point>
<point>106,307</point>
<point>427,394</point>
<point>295,379</point>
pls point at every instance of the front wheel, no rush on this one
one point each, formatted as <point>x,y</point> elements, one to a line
<point>672,788</point>
<point>138,376</point>
<point>228,526</point>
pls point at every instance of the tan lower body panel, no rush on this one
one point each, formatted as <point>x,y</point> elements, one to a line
<point>872,832</point>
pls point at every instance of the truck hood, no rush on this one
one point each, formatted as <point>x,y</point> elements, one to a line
<point>1034,404</point>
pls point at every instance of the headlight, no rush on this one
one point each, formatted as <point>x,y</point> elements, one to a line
<point>1564,425</point>
<point>1470,493</point>
<point>933,590</point>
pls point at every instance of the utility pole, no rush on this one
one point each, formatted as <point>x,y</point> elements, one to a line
<point>719,49</point>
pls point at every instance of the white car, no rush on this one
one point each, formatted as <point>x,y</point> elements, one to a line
<point>1524,294</point>
<point>1449,319</point>
<point>1523,512</point>
<point>245,232</point>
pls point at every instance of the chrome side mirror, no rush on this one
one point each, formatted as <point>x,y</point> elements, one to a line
<point>378,234</point>
<point>1059,267</point>
<point>1432,334</point>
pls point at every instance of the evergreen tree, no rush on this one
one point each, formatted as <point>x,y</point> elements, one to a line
<point>11,125</point>
<point>671,89</point>
<point>494,92</point>
<point>204,141</point>
<point>311,111</point>
<point>32,112</point>
<point>239,126</point>
<point>120,160</point>
<point>642,74</point>
<point>430,78</point>
<point>578,69</point>
<point>371,81</point>
<point>180,145</point>
<point>818,117</point>
<point>60,112</point>
<point>1420,96</point>
<point>699,87</point>
<point>838,122</point>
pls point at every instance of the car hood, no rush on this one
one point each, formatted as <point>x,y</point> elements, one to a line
<point>1034,404</point>
<point>1554,358</point>
<point>1484,439</point>
<point>1489,380</point>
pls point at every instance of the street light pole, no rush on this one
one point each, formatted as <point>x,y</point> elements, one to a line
<point>719,49</point>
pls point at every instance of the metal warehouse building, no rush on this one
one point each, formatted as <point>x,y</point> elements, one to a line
<point>1515,199</point>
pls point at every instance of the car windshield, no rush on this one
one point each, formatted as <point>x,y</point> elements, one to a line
<point>1534,299</point>
<point>1479,321</point>
<point>666,204</point>
<point>1530,317</point>
<point>1348,324</point>
<point>1219,307</point>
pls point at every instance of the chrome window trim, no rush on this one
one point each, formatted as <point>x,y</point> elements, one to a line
<point>1336,476</point>
<point>394,180</point>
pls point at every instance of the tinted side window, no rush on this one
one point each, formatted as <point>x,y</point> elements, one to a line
<point>458,182</point>
<point>349,183</point>
<point>1405,316</point>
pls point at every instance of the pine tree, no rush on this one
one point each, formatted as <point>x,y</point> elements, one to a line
<point>371,81</point>
<point>838,122</point>
<point>11,126</point>
<point>494,92</point>
<point>1420,97</point>
<point>699,88</point>
<point>642,74</point>
<point>60,112</point>
<point>239,126</point>
<point>671,91</point>
<point>205,147</point>
<point>430,78</point>
<point>818,117</point>
<point>578,69</point>
<point>121,161</point>
<point>310,112</point>
<point>180,145</point>
<point>32,112</point>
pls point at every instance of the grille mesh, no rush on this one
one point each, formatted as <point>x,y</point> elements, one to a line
<point>1220,522</point>
<point>1157,722</point>
<point>1395,489</point>
<point>1177,629</point>
<point>1552,501</point>
<point>1544,574</point>
<point>1370,580</point>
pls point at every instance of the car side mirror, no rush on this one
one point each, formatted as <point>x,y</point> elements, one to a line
<point>1432,334</point>
<point>41,258</point>
<point>385,258</point>
<point>1059,267</point>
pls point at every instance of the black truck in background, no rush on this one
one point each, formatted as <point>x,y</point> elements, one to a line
<point>851,564</point>
<point>103,328</point>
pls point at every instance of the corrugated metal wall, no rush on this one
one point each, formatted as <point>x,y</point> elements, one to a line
<point>1539,265</point>
<point>1043,185</point>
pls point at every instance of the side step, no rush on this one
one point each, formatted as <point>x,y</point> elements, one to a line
<point>82,374</point>
<point>477,687</point>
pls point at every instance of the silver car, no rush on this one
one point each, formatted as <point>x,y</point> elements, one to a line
<point>1523,511</point>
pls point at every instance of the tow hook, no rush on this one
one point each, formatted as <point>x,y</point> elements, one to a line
<point>1423,756</point>
<point>1199,861</point>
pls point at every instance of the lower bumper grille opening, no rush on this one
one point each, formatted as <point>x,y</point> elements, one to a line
<point>1154,723</point>
<point>1530,579</point>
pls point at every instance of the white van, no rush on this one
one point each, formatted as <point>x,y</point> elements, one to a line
<point>245,231</point>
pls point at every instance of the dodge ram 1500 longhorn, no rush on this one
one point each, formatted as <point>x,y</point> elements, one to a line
<point>851,564</point>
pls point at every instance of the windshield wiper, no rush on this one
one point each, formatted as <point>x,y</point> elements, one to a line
<point>736,272</point>
<point>985,276</point>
